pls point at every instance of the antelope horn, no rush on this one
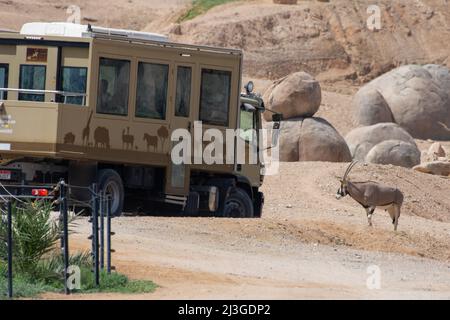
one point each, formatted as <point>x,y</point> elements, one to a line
<point>349,168</point>
<point>346,170</point>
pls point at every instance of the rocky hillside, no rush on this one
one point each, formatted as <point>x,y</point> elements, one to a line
<point>327,39</point>
<point>130,14</point>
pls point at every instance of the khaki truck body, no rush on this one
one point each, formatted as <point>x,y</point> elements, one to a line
<point>101,108</point>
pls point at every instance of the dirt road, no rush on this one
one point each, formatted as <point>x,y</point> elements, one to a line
<point>308,245</point>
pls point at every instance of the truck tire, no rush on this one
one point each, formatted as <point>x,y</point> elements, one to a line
<point>110,184</point>
<point>238,204</point>
<point>192,204</point>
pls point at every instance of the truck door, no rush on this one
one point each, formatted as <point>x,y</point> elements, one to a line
<point>249,124</point>
<point>177,182</point>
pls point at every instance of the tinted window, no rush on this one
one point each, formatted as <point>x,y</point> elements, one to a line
<point>73,80</point>
<point>3,81</point>
<point>247,124</point>
<point>113,86</point>
<point>183,95</point>
<point>151,95</point>
<point>215,96</point>
<point>33,78</point>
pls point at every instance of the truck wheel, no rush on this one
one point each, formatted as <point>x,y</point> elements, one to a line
<point>110,184</point>
<point>238,205</point>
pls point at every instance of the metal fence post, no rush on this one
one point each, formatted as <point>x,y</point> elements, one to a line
<point>108,234</point>
<point>65,234</point>
<point>10,251</point>
<point>95,249</point>
<point>102,231</point>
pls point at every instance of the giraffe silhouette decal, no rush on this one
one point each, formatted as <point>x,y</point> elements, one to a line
<point>87,130</point>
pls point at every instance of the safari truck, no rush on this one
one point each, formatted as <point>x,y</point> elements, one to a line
<point>97,105</point>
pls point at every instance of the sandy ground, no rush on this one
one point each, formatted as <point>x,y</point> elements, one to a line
<point>307,245</point>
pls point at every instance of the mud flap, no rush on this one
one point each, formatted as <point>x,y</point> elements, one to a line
<point>81,174</point>
<point>258,204</point>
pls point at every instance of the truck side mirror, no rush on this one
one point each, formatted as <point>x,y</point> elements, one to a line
<point>248,107</point>
<point>275,134</point>
<point>277,117</point>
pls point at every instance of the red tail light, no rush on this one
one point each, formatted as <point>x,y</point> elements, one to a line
<point>39,192</point>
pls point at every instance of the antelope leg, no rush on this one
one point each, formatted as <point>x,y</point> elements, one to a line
<point>369,212</point>
<point>391,211</point>
<point>397,216</point>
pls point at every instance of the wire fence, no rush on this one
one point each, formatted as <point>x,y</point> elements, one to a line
<point>60,195</point>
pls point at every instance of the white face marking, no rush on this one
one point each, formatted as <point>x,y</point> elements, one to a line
<point>339,193</point>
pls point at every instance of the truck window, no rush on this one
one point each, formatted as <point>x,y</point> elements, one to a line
<point>113,86</point>
<point>215,96</point>
<point>3,81</point>
<point>73,80</point>
<point>183,94</point>
<point>151,95</point>
<point>247,123</point>
<point>32,77</point>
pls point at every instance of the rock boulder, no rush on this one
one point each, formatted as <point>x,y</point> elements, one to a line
<point>418,98</point>
<point>395,152</point>
<point>297,95</point>
<point>362,139</point>
<point>311,139</point>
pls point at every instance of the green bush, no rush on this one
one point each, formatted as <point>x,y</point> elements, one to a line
<point>34,236</point>
<point>200,7</point>
<point>38,262</point>
<point>114,282</point>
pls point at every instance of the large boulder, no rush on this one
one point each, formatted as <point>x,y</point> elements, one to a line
<point>362,139</point>
<point>371,108</point>
<point>297,95</point>
<point>417,96</point>
<point>395,152</point>
<point>311,139</point>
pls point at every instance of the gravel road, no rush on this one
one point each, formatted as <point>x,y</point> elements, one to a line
<point>306,246</point>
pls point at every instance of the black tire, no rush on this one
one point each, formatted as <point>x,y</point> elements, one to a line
<point>238,205</point>
<point>192,204</point>
<point>110,183</point>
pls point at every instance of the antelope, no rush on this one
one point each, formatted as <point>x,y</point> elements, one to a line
<point>372,195</point>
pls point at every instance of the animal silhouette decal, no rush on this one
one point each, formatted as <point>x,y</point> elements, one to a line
<point>127,139</point>
<point>69,138</point>
<point>152,141</point>
<point>101,137</point>
<point>87,129</point>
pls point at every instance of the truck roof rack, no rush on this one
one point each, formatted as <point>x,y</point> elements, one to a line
<point>65,29</point>
<point>165,44</point>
